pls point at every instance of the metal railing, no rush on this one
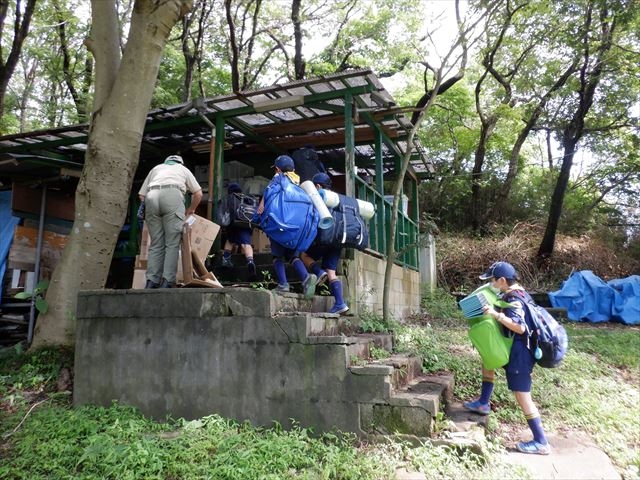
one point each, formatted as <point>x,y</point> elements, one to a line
<point>406,228</point>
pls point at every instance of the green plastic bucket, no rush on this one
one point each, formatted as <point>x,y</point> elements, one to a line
<point>486,336</point>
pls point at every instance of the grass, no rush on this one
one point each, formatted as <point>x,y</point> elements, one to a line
<point>595,391</point>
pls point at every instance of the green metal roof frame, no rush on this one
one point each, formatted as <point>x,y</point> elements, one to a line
<point>188,126</point>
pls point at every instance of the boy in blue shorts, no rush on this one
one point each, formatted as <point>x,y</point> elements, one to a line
<point>330,255</point>
<point>518,370</point>
<point>284,166</point>
<point>242,238</point>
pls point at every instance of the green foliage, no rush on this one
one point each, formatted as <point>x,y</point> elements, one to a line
<point>372,322</point>
<point>378,353</point>
<point>266,283</point>
<point>439,303</point>
<point>22,374</point>
<point>38,295</point>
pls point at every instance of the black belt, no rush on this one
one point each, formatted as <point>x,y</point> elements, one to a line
<point>162,187</point>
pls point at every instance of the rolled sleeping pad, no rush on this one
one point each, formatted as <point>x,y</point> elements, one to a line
<point>367,210</point>
<point>332,199</point>
<point>326,219</point>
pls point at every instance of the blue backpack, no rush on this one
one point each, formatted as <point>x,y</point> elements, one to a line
<point>289,217</point>
<point>544,332</point>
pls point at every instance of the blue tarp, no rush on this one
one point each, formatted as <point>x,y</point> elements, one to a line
<point>7,224</point>
<point>588,298</point>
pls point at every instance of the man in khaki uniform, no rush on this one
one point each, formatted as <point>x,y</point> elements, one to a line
<point>163,192</point>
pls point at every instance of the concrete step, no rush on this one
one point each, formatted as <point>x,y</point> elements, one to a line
<point>410,411</point>
<point>405,368</point>
<point>300,326</point>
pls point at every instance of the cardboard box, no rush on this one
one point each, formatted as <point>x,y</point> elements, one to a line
<point>145,241</point>
<point>260,241</point>
<point>195,272</point>
<point>139,274</point>
<point>139,279</point>
<point>203,233</point>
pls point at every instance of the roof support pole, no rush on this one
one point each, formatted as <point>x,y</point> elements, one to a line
<point>36,273</point>
<point>349,146</point>
<point>219,158</point>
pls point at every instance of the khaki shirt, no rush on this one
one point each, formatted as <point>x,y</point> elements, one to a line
<point>175,174</point>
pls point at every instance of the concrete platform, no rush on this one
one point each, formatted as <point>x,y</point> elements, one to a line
<point>571,458</point>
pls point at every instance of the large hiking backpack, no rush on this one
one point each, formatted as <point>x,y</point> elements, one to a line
<point>544,333</point>
<point>349,228</point>
<point>307,163</point>
<point>237,210</point>
<point>289,217</point>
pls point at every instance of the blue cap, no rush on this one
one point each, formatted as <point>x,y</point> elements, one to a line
<point>284,163</point>
<point>499,270</point>
<point>322,179</point>
<point>234,187</point>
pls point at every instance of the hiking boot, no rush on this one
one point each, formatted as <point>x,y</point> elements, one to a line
<point>251,269</point>
<point>322,278</point>
<point>227,263</point>
<point>477,407</point>
<point>309,286</point>
<point>282,288</point>
<point>339,309</point>
<point>534,448</point>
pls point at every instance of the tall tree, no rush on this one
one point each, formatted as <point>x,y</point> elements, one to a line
<point>21,20</point>
<point>455,60</point>
<point>80,84</point>
<point>604,23</point>
<point>123,90</point>
<point>192,38</point>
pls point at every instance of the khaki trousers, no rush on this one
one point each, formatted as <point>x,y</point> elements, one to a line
<point>165,215</point>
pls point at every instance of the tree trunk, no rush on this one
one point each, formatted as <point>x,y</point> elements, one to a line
<point>110,163</point>
<point>557,199</point>
<point>298,59</point>
<point>591,72</point>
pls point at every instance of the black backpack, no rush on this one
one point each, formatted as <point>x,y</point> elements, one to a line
<point>349,228</point>
<point>237,210</point>
<point>307,163</point>
<point>544,333</point>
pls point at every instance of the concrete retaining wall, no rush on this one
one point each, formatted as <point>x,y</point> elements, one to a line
<point>364,275</point>
<point>194,352</point>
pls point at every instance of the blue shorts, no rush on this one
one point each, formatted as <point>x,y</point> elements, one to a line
<point>239,236</point>
<point>278,250</point>
<point>520,366</point>
<point>330,255</point>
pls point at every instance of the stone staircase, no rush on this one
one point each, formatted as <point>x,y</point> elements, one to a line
<point>252,355</point>
<point>398,398</point>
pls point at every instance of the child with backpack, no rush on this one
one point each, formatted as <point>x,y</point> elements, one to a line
<point>518,370</point>
<point>238,236</point>
<point>323,259</point>
<point>287,216</point>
